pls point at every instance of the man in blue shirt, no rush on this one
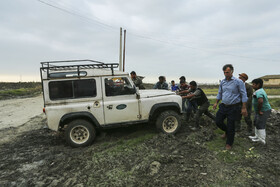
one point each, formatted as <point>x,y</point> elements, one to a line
<point>232,92</point>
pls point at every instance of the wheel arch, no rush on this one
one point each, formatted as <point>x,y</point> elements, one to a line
<point>160,107</point>
<point>78,115</point>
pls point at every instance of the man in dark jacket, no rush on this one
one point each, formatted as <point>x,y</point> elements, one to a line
<point>161,84</point>
<point>197,95</point>
<point>137,80</point>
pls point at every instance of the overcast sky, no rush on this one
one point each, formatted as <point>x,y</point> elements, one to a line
<point>194,38</point>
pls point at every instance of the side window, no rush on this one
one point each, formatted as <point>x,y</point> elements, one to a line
<point>60,90</point>
<point>118,86</point>
<point>84,88</point>
<point>72,89</point>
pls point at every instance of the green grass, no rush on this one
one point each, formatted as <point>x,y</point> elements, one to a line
<point>122,145</point>
<point>269,91</point>
<point>242,152</point>
<point>112,162</point>
<point>4,94</point>
<point>273,91</point>
<point>211,91</point>
<point>274,103</point>
<point>241,149</point>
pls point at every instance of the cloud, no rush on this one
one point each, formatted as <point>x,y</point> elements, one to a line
<point>193,38</point>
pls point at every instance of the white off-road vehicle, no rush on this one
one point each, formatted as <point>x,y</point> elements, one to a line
<point>82,96</point>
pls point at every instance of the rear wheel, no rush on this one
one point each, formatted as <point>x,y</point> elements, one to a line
<point>168,122</point>
<point>80,133</point>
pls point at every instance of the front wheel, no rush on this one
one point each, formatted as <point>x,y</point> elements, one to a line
<point>168,122</point>
<point>80,133</point>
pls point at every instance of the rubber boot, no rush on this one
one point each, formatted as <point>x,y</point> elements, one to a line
<point>261,136</point>
<point>256,134</point>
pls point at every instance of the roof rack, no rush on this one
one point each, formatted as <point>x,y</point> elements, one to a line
<point>51,66</point>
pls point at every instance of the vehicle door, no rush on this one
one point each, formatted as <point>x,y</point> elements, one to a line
<point>120,100</point>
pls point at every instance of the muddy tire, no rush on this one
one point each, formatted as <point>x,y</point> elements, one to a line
<point>168,122</point>
<point>80,133</point>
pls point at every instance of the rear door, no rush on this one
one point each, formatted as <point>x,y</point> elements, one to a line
<point>120,101</point>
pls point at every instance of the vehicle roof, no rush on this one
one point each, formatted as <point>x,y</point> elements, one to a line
<point>78,69</point>
<point>72,73</point>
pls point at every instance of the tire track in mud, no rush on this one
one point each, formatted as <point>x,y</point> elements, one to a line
<point>34,156</point>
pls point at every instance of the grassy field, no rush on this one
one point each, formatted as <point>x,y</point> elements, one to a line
<point>269,91</point>
<point>13,90</point>
<point>274,102</point>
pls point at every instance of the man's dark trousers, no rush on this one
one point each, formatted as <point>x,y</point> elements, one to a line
<point>230,112</point>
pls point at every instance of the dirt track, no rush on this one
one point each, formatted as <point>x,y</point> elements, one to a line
<point>15,112</point>
<point>134,156</point>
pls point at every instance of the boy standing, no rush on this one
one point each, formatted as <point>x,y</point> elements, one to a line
<point>262,111</point>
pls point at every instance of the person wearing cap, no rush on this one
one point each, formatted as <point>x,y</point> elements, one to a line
<point>233,94</point>
<point>248,120</point>
<point>137,80</point>
<point>161,84</point>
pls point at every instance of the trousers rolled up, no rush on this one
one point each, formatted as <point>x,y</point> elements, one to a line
<point>230,113</point>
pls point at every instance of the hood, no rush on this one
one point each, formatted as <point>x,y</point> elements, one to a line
<point>154,93</point>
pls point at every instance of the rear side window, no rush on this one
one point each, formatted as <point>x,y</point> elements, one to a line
<point>72,89</point>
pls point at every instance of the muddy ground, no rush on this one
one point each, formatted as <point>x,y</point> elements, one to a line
<point>32,155</point>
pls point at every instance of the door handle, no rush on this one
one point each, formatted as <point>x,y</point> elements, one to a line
<point>110,107</point>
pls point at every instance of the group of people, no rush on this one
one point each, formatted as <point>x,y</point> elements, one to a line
<point>236,96</point>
